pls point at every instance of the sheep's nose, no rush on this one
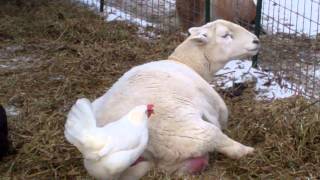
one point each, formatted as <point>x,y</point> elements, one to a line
<point>256,41</point>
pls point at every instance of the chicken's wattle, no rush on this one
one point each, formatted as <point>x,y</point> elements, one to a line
<point>150,109</point>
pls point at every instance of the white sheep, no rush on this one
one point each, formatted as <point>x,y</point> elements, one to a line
<point>189,114</point>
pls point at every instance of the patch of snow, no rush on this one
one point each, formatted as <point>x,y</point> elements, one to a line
<point>311,70</point>
<point>14,48</point>
<point>14,63</point>
<point>56,77</point>
<point>317,73</point>
<point>146,9</point>
<point>21,58</point>
<point>4,66</point>
<point>116,14</point>
<point>238,71</point>
<point>12,111</point>
<point>93,4</point>
<point>142,33</point>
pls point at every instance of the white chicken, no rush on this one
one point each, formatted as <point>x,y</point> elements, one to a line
<point>111,149</point>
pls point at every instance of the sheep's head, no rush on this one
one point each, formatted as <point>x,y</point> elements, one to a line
<point>222,41</point>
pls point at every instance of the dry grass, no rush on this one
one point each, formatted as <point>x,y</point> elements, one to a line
<point>57,52</point>
<point>284,132</point>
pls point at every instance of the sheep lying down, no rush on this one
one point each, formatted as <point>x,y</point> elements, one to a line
<point>188,114</point>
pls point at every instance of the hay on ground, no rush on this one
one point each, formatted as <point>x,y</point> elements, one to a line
<point>53,52</point>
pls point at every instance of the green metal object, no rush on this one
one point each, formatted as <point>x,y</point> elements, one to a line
<point>101,5</point>
<point>257,29</point>
<point>208,4</point>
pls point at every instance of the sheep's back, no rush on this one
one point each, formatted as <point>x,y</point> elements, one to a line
<point>166,84</point>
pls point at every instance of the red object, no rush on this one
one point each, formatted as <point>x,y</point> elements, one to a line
<point>150,109</point>
<point>197,164</point>
<point>138,160</point>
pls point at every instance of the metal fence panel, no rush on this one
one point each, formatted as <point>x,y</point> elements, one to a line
<point>291,44</point>
<point>290,39</point>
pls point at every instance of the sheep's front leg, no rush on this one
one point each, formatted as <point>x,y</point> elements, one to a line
<point>137,171</point>
<point>235,150</point>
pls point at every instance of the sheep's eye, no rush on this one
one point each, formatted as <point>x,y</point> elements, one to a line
<point>227,35</point>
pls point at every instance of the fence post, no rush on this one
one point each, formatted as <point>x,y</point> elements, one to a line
<point>101,5</point>
<point>208,4</point>
<point>257,29</point>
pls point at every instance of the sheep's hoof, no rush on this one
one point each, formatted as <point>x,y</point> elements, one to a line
<point>237,151</point>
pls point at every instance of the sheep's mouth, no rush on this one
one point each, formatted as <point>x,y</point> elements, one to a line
<point>254,49</point>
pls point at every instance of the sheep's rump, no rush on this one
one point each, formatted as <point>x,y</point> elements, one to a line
<point>181,98</point>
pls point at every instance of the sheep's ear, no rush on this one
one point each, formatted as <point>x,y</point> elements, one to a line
<point>194,30</point>
<point>199,34</point>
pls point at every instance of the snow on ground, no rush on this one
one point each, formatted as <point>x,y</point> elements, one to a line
<point>291,16</point>
<point>116,14</point>
<point>7,61</point>
<point>12,111</point>
<point>238,71</point>
<point>93,4</point>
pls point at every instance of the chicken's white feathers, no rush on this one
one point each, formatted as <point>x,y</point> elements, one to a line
<point>109,149</point>
<point>80,130</point>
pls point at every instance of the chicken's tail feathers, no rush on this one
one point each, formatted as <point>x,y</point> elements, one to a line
<point>80,124</point>
<point>82,113</point>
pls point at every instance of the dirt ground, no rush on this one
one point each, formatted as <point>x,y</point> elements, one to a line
<point>54,52</point>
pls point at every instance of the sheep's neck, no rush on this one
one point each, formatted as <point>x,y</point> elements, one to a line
<point>195,58</point>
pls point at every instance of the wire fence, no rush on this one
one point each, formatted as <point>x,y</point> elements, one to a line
<point>173,15</point>
<point>153,15</point>
<point>291,44</point>
<point>289,30</point>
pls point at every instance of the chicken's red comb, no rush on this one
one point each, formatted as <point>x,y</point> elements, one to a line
<point>150,107</point>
